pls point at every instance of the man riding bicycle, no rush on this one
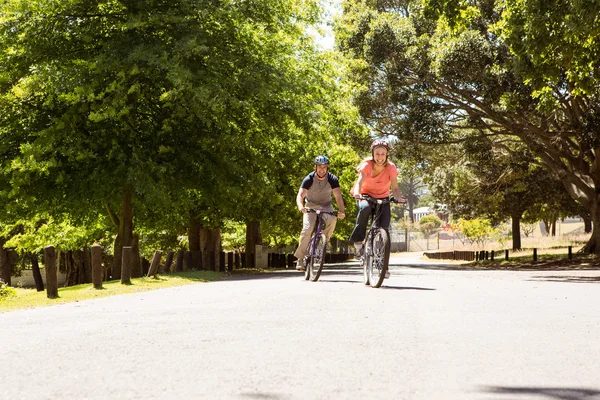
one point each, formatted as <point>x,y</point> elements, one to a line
<point>315,192</point>
<point>375,176</point>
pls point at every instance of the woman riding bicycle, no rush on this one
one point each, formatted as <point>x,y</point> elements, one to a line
<point>375,176</point>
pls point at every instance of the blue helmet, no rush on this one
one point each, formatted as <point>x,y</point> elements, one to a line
<point>321,160</point>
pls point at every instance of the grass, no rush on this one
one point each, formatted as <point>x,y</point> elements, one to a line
<point>547,259</point>
<point>30,298</point>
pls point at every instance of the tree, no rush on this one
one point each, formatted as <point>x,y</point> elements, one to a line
<point>445,71</point>
<point>409,187</point>
<point>495,184</point>
<point>151,110</point>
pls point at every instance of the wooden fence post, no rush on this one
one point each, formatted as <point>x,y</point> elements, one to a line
<point>570,252</point>
<point>97,272</point>
<point>153,270</point>
<point>179,261</point>
<point>126,265</point>
<point>169,261</point>
<point>534,254</point>
<point>51,277</point>
<point>187,265</point>
<point>506,254</point>
<point>221,266</point>
<point>229,261</point>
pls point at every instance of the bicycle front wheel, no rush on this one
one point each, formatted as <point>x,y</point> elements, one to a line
<point>318,258</point>
<point>379,258</point>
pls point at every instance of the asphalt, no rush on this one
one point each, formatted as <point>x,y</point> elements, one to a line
<point>431,332</point>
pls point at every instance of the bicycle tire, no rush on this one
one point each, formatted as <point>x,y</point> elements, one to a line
<point>318,258</point>
<point>307,263</point>
<point>379,258</point>
<point>365,259</point>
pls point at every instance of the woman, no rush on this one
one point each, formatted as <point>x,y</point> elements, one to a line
<point>375,176</point>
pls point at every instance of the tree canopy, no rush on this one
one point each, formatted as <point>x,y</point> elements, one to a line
<point>155,111</point>
<point>439,72</point>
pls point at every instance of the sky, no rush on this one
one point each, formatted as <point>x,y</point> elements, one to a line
<point>332,8</point>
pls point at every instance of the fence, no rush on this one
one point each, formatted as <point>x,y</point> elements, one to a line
<point>481,255</point>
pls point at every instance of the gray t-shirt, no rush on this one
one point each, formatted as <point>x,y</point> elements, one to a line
<point>319,191</point>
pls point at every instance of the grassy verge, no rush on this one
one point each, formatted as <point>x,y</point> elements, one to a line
<point>549,261</point>
<point>30,298</point>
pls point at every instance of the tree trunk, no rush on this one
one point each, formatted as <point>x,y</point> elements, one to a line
<point>115,267</point>
<point>87,266</point>
<point>215,247</point>
<point>71,278</point>
<point>593,245</point>
<point>5,267</point>
<point>516,231</point>
<point>587,223</point>
<point>204,239</point>
<point>194,241</point>
<point>210,246</point>
<point>253,237</point>
<point>125,235</point>
<point>37,274</point>
<point>136,262</point>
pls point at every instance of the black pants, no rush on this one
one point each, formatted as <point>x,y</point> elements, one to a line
<point>364,211</point>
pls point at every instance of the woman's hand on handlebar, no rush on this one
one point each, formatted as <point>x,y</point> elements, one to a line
<point>340,215</point>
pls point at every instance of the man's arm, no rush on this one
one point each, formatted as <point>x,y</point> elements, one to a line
<point>339,200</point>
<point>300,199</point>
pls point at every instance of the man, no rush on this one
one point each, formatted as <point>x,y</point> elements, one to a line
<point>315,192</point>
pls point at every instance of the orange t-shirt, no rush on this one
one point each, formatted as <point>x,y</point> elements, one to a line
<point>379,186</point>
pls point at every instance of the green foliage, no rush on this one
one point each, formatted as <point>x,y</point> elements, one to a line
<point>429,224</point>
<point>206,109</point>
<point>34,234</point>
<point>6,291</point>
<point>476,230</point>
<point>517,73</point>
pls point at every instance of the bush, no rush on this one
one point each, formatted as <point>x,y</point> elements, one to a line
<point>477,230</point>
<point>6,291</point>
<point>429,224</point>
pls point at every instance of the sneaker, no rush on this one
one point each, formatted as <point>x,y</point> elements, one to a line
<point>300,267</point>
<point>387,274</point>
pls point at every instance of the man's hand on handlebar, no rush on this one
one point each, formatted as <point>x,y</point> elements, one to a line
<point>340,215</point>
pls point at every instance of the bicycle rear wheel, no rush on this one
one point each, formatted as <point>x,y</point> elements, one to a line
<point>380,257</point>
<point>318,258</point>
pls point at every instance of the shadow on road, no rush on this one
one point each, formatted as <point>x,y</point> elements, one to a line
<point>547,393</point>
<point>392,287</point>
<point>568,279</point>
<point>332,275</point>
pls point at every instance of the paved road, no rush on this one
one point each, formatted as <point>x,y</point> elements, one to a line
<point>430,333</point>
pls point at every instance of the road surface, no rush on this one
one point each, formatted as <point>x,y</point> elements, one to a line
<point>432,332</point>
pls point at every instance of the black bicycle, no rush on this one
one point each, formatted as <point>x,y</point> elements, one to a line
<point>376,246</point>
<point>315,258</point>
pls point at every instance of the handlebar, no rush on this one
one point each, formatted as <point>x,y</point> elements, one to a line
<point>389,199</point>
<point>312,210</point>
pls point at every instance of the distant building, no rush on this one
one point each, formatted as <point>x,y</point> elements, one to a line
<point>420,212</point>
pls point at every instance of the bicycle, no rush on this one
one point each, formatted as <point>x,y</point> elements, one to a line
<point>376,256</point>
<point>313,262</point>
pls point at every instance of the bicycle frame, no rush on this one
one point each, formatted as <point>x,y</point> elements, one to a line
<point>375,231</point>
<point>313,271</point>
